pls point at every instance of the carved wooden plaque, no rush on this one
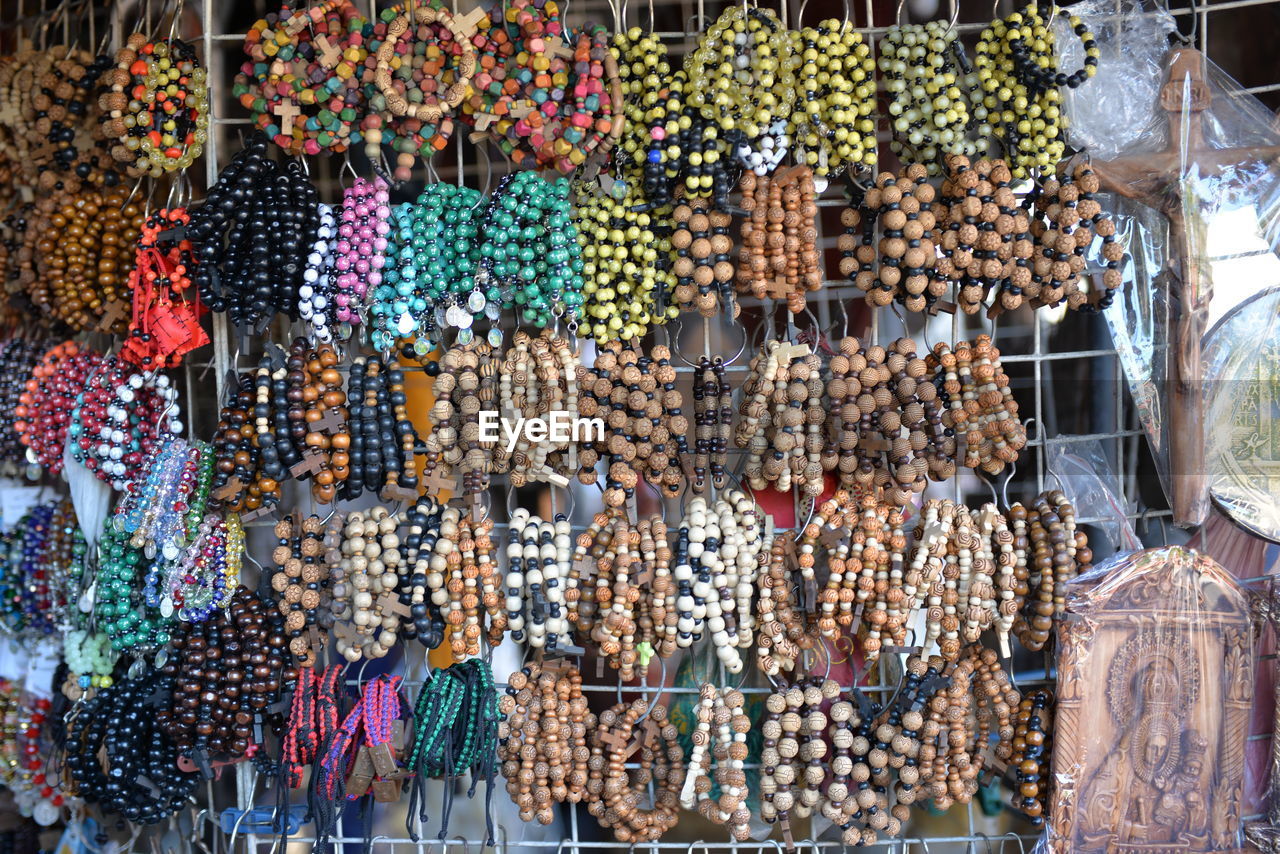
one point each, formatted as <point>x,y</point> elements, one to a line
<point>1155,681</point>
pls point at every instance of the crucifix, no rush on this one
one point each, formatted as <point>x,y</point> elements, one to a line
<point>1153,179</point>
<point>436,482</point>
<point>332,421</point>
<point>286,110</point>
<point>310,464</point>
<point>229,490</point>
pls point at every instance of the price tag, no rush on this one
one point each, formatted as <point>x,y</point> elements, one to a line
<point>40,669</point>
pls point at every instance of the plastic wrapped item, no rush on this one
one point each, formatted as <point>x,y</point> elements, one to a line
<point>1084,475</point>
<point>1156,658</point>
<point>1200,208</point>
<point>1117,112</point>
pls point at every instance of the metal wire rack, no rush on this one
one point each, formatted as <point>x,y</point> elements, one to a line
<point>1066,376</point>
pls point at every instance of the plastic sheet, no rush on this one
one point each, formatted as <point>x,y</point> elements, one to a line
<point>1199,208</point>
<point>1085,477</point>
<point>1155,686</point>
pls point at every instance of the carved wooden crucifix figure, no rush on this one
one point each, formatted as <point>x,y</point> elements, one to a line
<point>1154,179</point>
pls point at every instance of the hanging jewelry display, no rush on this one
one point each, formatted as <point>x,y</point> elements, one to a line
<point>782,417</point>
<point>834,130</point>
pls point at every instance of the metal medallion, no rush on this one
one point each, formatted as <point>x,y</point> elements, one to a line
<point>476,302</point>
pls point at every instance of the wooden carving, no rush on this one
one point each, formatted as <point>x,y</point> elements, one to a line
<point>1155,681</point>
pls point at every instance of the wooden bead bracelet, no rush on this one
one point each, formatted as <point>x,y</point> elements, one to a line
<point>536,584</point>
<point>979,405</point>
<point>702,264</point>
<point>780,257</point>
<point>713,424</point>
<point>782,419</point>
<point>645,428</point>
<point>363,555</point>
<point>464,584</point>
<point>726,745</point>
<point>614,794</point>
<point>302,587</point>
<point>543,739</point>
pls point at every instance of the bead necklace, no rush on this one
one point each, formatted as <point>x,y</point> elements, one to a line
<point>119,419</point>
<point>302,585</point>
<point>420,64</point>
<point>239,482</point>
<point>607,599</point>
<point>727,746</point>
<point>782,417</point>
<point>635,394</point>
<point>316,303</point>
<point>538,556</point>
<point>832,119</point>
<point>204,577</point>
<point>253,235</point>
<point>227,671</point>
<point>614,797</point>
<point>713,424</point>
<point>363,226</point>
<point>702,264</point>
<point>626,263</point>
<point>363,574</point>
<point>305,60</point>
<point>18,358</point>
<point>543,739</point>
<point>119,729</point>
<point>158,108</point>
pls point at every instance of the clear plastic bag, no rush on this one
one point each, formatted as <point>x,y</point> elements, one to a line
<point>1156,670</point>
<point>1198,202</point>
<point>1118,111</point>
<point>1085,477</point>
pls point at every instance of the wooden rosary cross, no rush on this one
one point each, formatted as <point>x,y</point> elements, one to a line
<point>114,311</point>
<point>332,421</point>
<point>436,482</point>
<point>1155,180</point>
<point>310,464</point>
<point>469,23</point>
<point>286,110</point>
<point>557,47</point>
<point>229,490</point>
<point>330,55</point>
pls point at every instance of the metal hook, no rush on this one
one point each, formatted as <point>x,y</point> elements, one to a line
<point>1022,848</point>
<point>955,16</point>
<point>1004,488</point>
<point>986,839</point>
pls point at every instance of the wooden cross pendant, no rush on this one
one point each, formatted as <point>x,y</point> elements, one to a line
<point>310,464</point>
<point>114,311</point>
<point>286,110</point>
<point>229,490</point>
<point>330,56</point>
<point>436,482</point>
<point>1155,180</point>
<point>332,421</point>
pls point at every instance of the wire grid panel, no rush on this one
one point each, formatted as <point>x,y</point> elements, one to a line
<point>1043,354</point>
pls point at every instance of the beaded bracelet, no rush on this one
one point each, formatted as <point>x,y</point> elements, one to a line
<point>363,226</point>
<point>626,263</point>
<point>313,718</point>
<point>782,412</point>
<point>90,663</point>
<point>239,482</point>
<point>421,61</point>
<point>713,424</point>
<point>227,670</point>
<point>363,574</point>
<point>118,420</point>
<point>426,623</point>
<point>832,120</point>
<point>113,740</point>
<point>304,60</point>
<point>613,797</point>
<point>538,379</point>
<point>41,420</point>
<point>784,629</point>
<point>538,556</point>
<point>454,442</point>
<point>464,584</point>
<point>1031,747</point>
<point>253,235</point>
<point>301,584</point>
<point>924,67</point>
<point>1017,65</point>
<point>158,106</point>
<point>316,304</point>
<point>978,403</point>
<point>543,739</point>
<point>120,610</point>
<point>636,396</point>
<point>702,267</point>
<point>728,748</point>
<point>18,358</point>
<point>82,282</point>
